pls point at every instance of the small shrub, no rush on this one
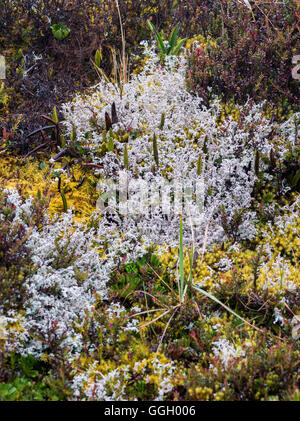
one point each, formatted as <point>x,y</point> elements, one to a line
<point>250,57</point>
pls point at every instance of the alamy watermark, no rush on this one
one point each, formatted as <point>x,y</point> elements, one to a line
<point>132,197</point>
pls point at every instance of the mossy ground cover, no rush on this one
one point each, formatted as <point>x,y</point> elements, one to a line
<point>97,306</point>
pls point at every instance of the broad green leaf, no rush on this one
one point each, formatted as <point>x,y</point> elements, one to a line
<point>173,38</point>
<point>60,31</point>
<point>160,41</point>
<point>175,50</point>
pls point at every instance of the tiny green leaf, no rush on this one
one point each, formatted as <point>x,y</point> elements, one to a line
<point>98,58</point>
<point>110,146</point>
<point>199,165</point>
<point>155,150</point>
<point>125,157</point>
<point>54,115</point>
<point>60,31</point>
<point>162,121</point>
<point>74,134</point>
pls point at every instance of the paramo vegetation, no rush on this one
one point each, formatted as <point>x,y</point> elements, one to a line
<point>100,304</point>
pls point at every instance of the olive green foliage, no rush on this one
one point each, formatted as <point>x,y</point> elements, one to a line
<point>250,53</point>
<point>60,31</point>
<point>27,379</point>
<point>174,44</point>
<point>15,256</point>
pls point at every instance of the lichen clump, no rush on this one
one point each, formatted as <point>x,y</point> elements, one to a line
<point>187,289</point>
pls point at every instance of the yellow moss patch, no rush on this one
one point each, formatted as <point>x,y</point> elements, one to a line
<point>32,179</point>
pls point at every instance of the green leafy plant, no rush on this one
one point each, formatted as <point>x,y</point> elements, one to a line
<point>182,281</point>
<point>180,299</point>
<point>132,276</point>
<point>60,31</point>
<point>30,379</point>
<point>219,62</point>
<point>174,43</point>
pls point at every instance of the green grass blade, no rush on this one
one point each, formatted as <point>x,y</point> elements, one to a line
<point>181,262</point>
<point>125,157</point>
<point>54,115</point>
<point>199,165</point>
<point>191,264</point>
<point>64,200</point>
<point>155,150</point>
<point>110,145</point>
<point>98,58</point>
<point>162,121</point>
<point>212,297</point>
